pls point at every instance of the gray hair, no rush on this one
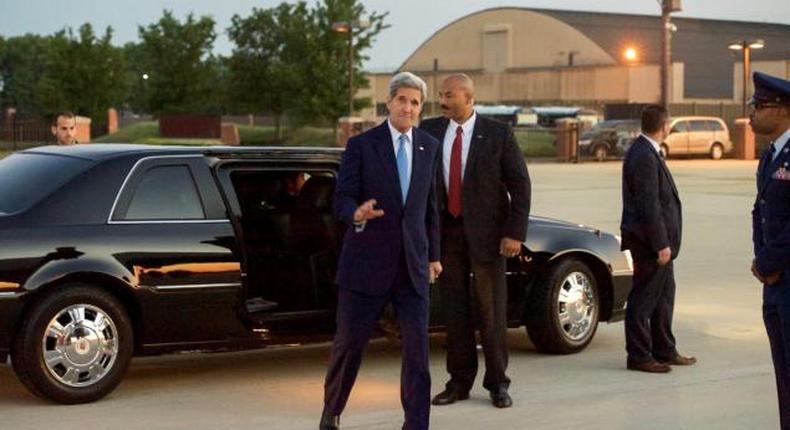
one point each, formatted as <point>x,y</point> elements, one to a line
<point>408,80</point>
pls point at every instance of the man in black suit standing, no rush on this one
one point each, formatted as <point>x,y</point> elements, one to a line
<point>484,197</point>
<point>651,230</point>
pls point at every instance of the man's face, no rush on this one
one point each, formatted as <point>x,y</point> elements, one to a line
<point>455,100</point>
<point>766,118</point>
<point>64,130</point>
<point>404,108</point>
<point>664,131</point>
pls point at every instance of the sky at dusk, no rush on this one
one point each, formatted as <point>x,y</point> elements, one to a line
<point>411,21</point>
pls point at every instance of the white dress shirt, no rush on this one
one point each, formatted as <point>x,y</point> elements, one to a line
<point>468,128</point>
<point>652,142</point>
<point>408,146</point>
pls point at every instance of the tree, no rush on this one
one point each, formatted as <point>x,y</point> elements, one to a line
<point>268,67</point>
<point>84,74</point>
<point>22,63</point>
<point>177,59</point>
<point>289,62</point>
<point>332,55</point>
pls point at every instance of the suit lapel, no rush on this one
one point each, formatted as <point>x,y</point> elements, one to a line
<point>663,164</point>
<point>438,131</point>
<point>418,160</point>
<point>762,171</point>
<point>383,142</point>
<point>475,146</point>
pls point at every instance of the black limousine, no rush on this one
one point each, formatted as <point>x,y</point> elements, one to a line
<point>112,251</point>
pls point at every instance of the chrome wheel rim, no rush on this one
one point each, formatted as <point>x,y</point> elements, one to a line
<point>576,306</point>
<point>716,152</point>
<point>80,345</point>
<point>600,153</point>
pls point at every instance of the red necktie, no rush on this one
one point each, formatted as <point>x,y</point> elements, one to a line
<point>454,193</point>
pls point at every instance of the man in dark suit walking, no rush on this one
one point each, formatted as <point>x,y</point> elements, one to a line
<point>651,229</point>
<point>484,198</point>
<point>385,194</point>
<point>770,117</point>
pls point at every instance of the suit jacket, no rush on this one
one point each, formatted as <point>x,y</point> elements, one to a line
<point>652,218</point>
<point>369,259</point>
<point>771,223</point>
<point>496,187</point>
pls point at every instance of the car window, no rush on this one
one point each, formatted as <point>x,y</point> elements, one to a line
<point>165,193</point>
<point>715,125</point>
<point>698,126</point>
<point>27,178</point>
<point>680,127</point>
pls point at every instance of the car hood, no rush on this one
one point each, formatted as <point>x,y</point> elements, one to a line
<point>539,221</point>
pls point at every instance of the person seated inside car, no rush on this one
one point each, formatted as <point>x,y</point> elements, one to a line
<point>287,196</point>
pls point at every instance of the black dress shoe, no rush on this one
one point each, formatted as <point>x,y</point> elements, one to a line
<point>329,422</point>
<point>500,398</point>
<point>449,395</point>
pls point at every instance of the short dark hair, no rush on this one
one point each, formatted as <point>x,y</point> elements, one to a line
<point>653,118</point>
<point>64,113</point>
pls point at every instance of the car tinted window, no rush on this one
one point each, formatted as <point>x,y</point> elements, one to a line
<point>680,127</point>
<point>715,125</point>
<point>27,178</point>
<point>698,126</point>
<point>165,193</point>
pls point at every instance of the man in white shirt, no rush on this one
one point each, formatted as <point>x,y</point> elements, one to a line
<point>484,199</point>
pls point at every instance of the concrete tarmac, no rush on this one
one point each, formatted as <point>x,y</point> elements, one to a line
<point>717,319</point>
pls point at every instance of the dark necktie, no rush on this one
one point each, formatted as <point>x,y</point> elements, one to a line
<point>773,151</point>
<point>454,190</point>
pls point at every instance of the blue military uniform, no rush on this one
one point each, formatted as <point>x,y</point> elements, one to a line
<point>771,237</point>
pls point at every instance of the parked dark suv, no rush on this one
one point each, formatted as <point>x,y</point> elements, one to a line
<point>607,138</point>
<point>110,251</point>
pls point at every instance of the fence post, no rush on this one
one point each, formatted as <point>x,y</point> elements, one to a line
<point>10,126</point>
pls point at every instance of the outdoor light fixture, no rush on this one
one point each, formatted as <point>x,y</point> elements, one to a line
<point>348,27</point>
<point>631,55</point>
<point>746,46</point>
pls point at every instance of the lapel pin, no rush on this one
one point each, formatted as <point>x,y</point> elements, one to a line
<point>785,150</point>
<point>422,148</point>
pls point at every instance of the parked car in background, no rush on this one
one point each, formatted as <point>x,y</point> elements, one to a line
<point>608,138</point>
<point>697,135</point>
<point>135,250</point>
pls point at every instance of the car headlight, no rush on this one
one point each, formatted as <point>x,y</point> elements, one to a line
<point>629,259</point>
<point>585,142</point>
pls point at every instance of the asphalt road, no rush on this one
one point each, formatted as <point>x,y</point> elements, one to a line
<point>717,318</point>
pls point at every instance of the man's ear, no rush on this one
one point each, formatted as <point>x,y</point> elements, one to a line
<point>54,130</point>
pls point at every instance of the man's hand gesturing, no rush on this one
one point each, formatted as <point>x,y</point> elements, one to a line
<point>366,211</point>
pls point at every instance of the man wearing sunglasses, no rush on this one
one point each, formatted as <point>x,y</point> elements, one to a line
<point>770,117</point>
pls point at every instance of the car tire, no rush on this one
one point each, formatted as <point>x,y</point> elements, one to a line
<point>564,308</point>
<point>716,151</point>
<point>600,153</point>
<point>664,150</point>
<point>74,345</point>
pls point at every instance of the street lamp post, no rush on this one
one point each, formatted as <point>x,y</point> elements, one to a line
<point>746,46</point>
<point>667,7</point>
<point>348,27</point>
